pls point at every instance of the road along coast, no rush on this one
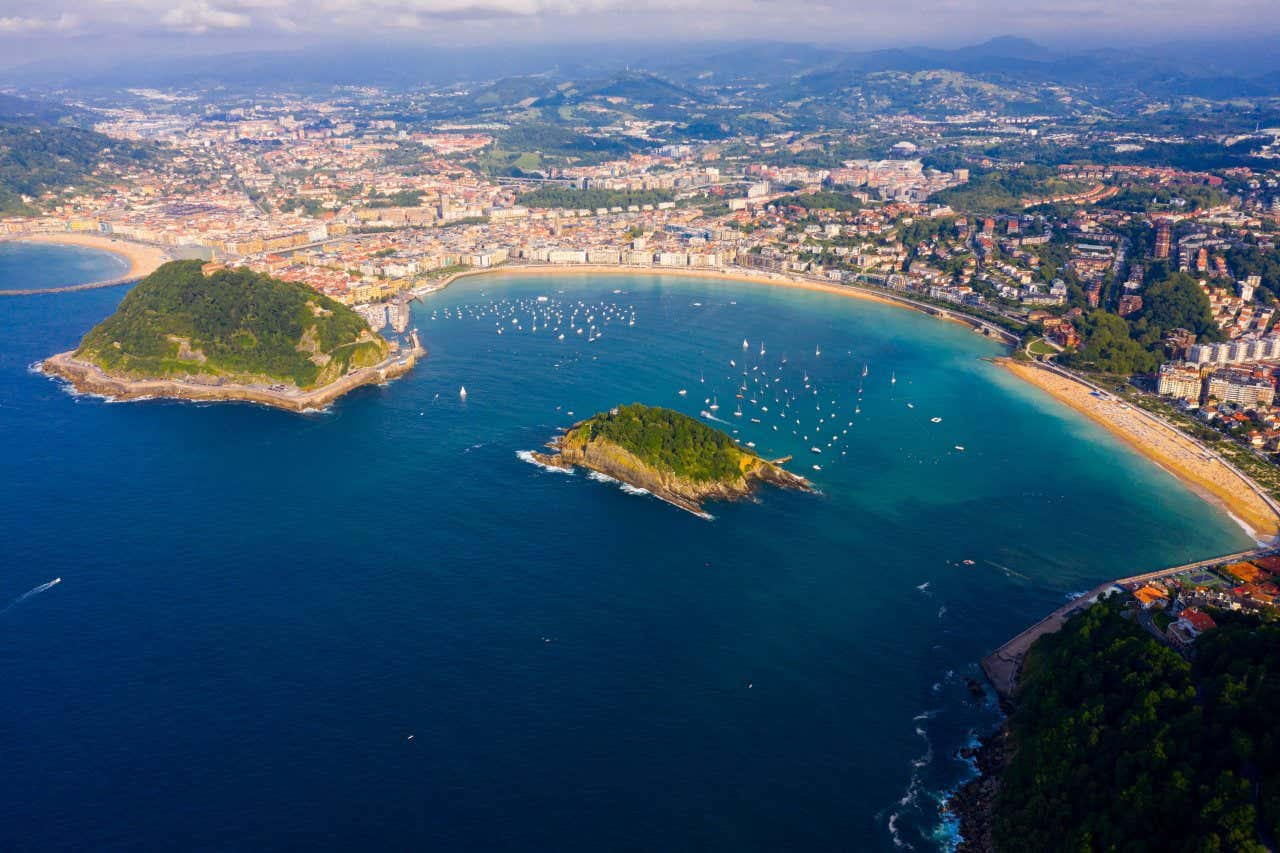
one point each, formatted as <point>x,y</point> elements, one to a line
<point>87,378</point>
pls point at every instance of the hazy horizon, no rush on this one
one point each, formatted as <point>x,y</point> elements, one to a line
<point>80,34</point>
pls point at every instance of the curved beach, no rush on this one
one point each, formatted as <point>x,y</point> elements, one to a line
<point>1188,460</point>
<point>782,611</point>
<point>855,291</point>
<point>143,259</point>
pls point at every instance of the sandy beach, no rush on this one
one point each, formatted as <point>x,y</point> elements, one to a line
<point>143,259</point>
<point>1163,444</point>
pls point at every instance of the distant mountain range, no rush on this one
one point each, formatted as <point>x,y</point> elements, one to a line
<point>1203,68</point>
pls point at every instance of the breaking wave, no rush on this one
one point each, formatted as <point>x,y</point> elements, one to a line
<point>527,456</point>
<point>626,487</point>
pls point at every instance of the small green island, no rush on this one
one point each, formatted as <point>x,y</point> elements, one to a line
<point>668,454</point>
<point>206,332</point>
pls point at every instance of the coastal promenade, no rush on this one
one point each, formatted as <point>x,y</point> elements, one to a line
<point>1003,666</point>
<point>1156,421</point>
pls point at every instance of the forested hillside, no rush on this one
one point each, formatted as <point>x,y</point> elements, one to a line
<point>178,321</point>
<point>1123,744</point>
<point>38,158</point>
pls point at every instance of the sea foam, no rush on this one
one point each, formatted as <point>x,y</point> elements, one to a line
<point>527,456</point>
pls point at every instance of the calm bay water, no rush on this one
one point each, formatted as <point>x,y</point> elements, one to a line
<point>258,609</point>
<point>39,266</point>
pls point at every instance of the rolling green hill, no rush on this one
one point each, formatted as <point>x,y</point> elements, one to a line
<point>35,159</point>
<point>233,323</point>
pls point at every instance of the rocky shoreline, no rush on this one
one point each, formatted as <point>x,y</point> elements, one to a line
<point>973,803</point>
<point>88,378</point>
<point>607,458</point>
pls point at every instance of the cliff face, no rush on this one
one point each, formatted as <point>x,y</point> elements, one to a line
<point>606,457</point>
<point>88,378</point>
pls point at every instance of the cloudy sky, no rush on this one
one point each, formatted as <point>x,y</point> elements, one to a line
<point>54,29</point>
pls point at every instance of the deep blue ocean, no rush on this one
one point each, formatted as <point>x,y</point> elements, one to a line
<point>378,627</point>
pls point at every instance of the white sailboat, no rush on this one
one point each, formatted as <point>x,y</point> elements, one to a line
<point>715,404</point>
<point>463,392</point>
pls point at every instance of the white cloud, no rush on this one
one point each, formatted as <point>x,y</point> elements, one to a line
<point>199,16</point>
<point>17,24</point>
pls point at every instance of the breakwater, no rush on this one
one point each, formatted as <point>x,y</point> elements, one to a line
<point>1004,664</point>
<point>93,285</point>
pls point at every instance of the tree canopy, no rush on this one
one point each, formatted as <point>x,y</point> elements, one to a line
<point>669,441</point>
<point>34,160</point>
<point>1109,347</point>
<point>178,321</point>
<point>1121,744</point>
<point>1175,302</point>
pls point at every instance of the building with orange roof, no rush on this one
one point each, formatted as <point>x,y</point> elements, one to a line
<point>1151,596</point>
<point>1245,571</point>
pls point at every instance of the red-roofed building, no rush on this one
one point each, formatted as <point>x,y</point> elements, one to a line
<point>1268,564</point>
<point>1191,623</point>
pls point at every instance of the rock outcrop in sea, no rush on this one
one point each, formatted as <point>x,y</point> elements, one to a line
<point>578,447</point>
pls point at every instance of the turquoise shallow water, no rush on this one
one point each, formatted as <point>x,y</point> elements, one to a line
<point>258,609</point>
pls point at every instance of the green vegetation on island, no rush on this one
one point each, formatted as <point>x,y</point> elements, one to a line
<point>232,323</point>
<point>1120,743</point>
<point>669,441</point>
<point>670,455</point>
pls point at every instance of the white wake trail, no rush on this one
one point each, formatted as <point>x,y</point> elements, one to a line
<point>30,593</point>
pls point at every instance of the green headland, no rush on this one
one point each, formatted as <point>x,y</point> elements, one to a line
<point>193,332</point>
